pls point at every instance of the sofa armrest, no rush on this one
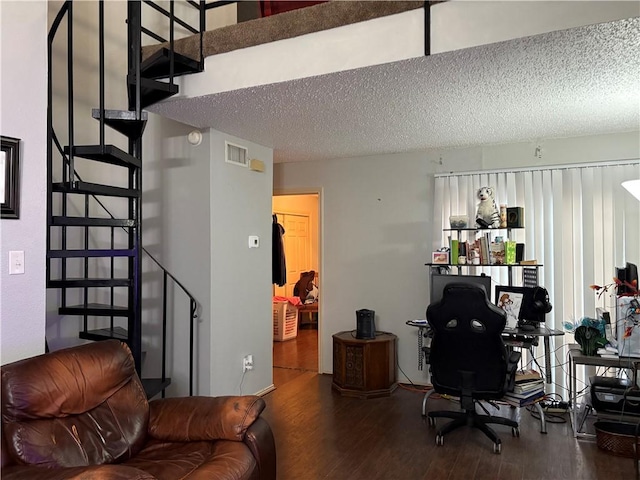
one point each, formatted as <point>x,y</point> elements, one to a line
<point>103,472</point>
<point>190,419</point>
<point>259,438</point>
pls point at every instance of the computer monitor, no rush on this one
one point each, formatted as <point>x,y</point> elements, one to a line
<point>627,274</point>
<point>438,282</point>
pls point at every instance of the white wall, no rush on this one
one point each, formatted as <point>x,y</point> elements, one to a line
<point>198,214</point>
<point>484,22</point>
<point>375,215</point>
<point>377,233</point>
<point>381,40</point>
<point>176,217</point>
<point>241,317</point>
<point>23,114</point>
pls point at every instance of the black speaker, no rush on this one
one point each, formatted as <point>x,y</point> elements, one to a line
<point>365,324</point>
<point>515,217</point>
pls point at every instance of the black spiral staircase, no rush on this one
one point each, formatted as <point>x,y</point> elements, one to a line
<point>94,257</point>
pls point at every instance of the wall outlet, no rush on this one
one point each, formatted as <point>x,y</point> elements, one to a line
<point>247,363</point>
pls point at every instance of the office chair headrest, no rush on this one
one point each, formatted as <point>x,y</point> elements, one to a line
<point>465,300</point>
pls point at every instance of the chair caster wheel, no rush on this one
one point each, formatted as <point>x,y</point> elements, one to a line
<point>432,422</point>
<point>515,431</point>
<point>439,440</point>
<point>497,447</point>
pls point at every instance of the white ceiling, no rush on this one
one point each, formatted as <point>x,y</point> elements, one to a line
<point>576,82</point>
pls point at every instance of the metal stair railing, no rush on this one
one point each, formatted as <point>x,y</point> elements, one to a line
<point>71,177</point>
<point>193,304</point>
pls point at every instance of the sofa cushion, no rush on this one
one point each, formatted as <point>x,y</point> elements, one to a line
<point>222,460</point>
<point>74,407</point>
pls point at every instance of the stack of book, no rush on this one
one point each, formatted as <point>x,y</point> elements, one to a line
<point>529,387</point>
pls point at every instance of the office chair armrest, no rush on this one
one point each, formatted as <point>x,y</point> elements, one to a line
<point>512,362</point>
<point>512,365</point>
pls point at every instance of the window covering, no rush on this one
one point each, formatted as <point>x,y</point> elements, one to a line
<point>580,223</point>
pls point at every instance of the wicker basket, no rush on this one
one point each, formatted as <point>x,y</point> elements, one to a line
<point>617,437</point>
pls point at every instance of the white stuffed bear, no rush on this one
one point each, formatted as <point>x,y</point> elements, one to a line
<point>487,209</point>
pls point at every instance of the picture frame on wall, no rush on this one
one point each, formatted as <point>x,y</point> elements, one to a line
<point>10,178</point>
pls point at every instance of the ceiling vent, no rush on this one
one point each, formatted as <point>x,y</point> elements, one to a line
<point>236,154</point>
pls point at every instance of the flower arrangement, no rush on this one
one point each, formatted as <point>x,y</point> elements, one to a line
<point>631,313</point>
<point>631,289</point>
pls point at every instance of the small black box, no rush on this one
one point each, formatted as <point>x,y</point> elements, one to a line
<point>365,324</point>
<point>515,217</point>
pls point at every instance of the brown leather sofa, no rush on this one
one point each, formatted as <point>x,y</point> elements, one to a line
<point>82,413</point>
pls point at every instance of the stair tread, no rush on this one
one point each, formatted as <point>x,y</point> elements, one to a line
<point>151,91</point>
<point>97,334</point>
<point>154,386</point>
<point>59,221</point>
<point>94,189</point>
<point>93,252</point>
<point>96,309</point>
<point>123,121</point>
<point>125,115</point>
<point>90,282</point>
<point>107,154</point>
<point>157,65</point>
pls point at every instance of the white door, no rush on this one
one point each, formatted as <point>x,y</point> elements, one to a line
<point>297,250</point>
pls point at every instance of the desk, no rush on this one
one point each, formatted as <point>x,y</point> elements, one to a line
<point>577,358</point>
<point>514,338</point>
<point>524,338</point>
<point>541,331</point>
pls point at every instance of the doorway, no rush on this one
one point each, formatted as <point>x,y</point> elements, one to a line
<point>299,215</point>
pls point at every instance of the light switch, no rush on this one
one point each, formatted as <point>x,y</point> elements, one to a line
<point>16,262</point>
<point>254,241</point>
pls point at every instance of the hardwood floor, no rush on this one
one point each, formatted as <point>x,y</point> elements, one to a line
<point>294,357</point>
<point>322,435</point>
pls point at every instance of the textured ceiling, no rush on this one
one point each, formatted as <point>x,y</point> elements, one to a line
<point>574,82</point>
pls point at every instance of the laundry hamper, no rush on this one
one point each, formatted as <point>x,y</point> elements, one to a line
<point>285,321</point>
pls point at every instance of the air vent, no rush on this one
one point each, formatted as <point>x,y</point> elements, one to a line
<point>236,154</point>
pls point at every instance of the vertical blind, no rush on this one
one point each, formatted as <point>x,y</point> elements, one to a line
<point>579,223</point>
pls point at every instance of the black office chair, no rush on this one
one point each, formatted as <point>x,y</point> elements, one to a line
<point>469,359</point>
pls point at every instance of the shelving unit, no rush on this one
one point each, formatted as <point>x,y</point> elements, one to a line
<point>530,276</point>
<point>527,278</point>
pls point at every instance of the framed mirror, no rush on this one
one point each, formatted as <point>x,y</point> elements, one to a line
<point>10,177</point>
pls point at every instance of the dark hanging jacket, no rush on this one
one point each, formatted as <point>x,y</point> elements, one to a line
<point>279,268</point>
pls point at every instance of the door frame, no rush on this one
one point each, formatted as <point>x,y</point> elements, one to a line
<point>320,240</point>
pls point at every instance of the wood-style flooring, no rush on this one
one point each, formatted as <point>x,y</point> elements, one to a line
<point>294,357</point>
<point>322,435</point>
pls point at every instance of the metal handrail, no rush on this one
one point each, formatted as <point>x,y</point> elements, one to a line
<point>167,14</point>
